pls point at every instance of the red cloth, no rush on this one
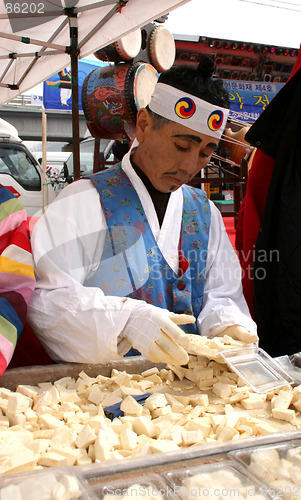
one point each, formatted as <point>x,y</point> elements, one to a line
<point>183,264</point>
<point>29,350</point>
<point>249,219</point>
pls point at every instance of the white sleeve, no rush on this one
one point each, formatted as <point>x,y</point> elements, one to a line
<point>75,323</point>
<point>224,303</point>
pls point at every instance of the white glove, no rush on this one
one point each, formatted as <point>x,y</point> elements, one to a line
<point>154,332</point>
<point>238,332</point>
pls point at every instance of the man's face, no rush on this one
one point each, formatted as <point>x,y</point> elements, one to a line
<point>171,156</point>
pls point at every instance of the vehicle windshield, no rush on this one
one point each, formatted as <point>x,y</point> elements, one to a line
<point>87,155</point>
<point>15,162</point>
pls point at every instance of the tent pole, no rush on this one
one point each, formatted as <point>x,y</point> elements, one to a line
<point>44,159</point>
<point>74,53</point>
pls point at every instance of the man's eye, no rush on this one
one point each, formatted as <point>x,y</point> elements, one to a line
<point>181,148</point>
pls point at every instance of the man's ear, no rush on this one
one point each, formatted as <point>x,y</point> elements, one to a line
<point>143,124</point>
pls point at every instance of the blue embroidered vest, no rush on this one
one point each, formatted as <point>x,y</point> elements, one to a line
<point>132,264</point>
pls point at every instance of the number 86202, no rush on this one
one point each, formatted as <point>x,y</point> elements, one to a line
<point>25,8</point>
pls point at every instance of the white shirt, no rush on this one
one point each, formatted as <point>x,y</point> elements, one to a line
<point>77,323</point>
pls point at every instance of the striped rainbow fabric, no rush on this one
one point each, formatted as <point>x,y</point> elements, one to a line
<point>17,280</point>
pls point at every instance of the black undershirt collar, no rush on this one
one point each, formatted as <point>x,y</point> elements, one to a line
<point>160,200</point>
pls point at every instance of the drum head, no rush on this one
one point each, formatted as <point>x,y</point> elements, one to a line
<point>162,48</point>
<point>124,49</point>
<point>129,45</point>
<point>139,86</point>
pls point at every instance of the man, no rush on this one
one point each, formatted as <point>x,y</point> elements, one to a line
<point>119,258</point>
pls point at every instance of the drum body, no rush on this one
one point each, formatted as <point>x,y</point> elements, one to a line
<point>111,97</point>
<point>124,49</point>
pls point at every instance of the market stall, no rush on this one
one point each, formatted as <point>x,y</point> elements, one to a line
<point>86,421</point>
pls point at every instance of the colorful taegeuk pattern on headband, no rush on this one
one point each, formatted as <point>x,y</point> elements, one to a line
<point>215,120</point>
<point>188,110</point>
<point>17,280</point>
<point>185,107</point>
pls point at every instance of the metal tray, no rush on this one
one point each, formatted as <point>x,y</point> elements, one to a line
<point>49,373</point>
<point>135,364</point>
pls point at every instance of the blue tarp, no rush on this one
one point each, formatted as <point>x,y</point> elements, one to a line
<point>57,89</point>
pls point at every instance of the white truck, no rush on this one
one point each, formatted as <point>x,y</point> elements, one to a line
<point>21,173</point>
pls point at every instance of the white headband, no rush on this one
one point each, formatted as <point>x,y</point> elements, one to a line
<point>188,110</point>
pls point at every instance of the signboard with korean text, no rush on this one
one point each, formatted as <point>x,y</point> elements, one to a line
<point>249,99</point>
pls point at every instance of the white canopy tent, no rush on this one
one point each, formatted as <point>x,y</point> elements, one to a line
<point>39,37</point>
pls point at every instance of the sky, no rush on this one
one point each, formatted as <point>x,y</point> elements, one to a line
<point>271,22</point>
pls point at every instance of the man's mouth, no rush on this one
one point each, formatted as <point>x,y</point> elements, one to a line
<point>177,182</point>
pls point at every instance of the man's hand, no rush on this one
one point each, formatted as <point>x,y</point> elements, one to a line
<point>238,332</point>
<point>154,332</point>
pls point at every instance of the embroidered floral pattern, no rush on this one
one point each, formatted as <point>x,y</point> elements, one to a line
<point>190,226</point>
<point>151,252</point>
<point>125,180</point>
<point>139,207</point>
<point>127,219</point>
<point>126,202</point>
<point>205,227</point>
<point>160,298</point>
<point>106,193</point>
<point>114,181</point>
<point>108,213</point>
<point>139,226</point>
<point>206,208</point>
<point>118,238</point>
<point>197,244</point>
<point>145,292</point>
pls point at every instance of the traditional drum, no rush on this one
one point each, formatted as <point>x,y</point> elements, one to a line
<point>126,131</point>
<point>111,96</point>
<point>124,49</point>
<point>162,48</point>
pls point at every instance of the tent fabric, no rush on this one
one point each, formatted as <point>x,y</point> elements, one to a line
<point>33,47</point>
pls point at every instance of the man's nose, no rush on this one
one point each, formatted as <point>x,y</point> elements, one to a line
<point>192,163</point>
